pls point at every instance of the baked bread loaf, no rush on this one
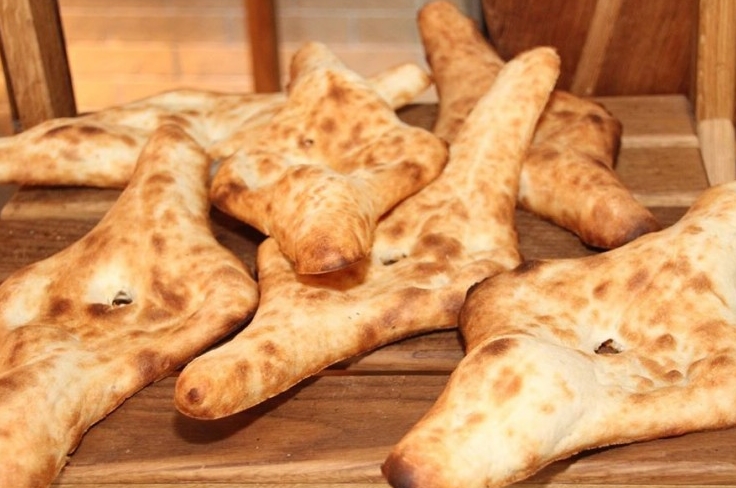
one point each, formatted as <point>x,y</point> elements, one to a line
<point>327,166</point>
<point>632,344</point>
<point>142,293</point>
<point>567,176</point>
<point>397,85</point>
<point>428,251</point>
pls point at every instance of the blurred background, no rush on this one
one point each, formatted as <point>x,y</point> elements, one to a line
<point>123,50</point>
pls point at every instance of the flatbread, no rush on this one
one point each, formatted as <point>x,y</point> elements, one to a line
<point>100,149</point>
<point>427,252</point>
<point>142,293</point>
<point>327,166</point>
<point>633,344</point>
<point>568,175</point>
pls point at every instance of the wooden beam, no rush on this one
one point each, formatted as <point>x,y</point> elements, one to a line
<point>35,62</point>
<point>264,44</point>
<point>716,88</point>
<point>597,40</point>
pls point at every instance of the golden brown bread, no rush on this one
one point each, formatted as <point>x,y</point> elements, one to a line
<point>397,85</point>
<point>568,174</point>
<point>632,344</point>
<point>327,166</point>
<point>143,292</point>
<point>100,149</point>
<point>427,252</point>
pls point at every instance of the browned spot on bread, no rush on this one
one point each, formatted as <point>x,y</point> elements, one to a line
<point>692,229</point>
<point>160,180</point>
<point>328,125</point>
<point>547,408</point>
<point>665,341</point>
<point>10,383</point>
<point>59,306</point>
<point>601,289</point>
<point>700,283</point>
<point>369,334</point>
<point>527,266</point>
<point>638,279</point>
<point>337,93</point>
<point>194,396</point>
<point>97,309</point>
<point>498,347</point>
<point>269,348</point>
<point>128,140</point>
<point>440,246</point>
<point>91,131</point>
<point>158,243</point>
<point>547,153</point>
<point>149,365</point>
<point>155,314</point>
<point>645,226</point>
<point>398,472</point>
<point>170,298</point>
<point>475,418</point>
<point>673,376</point>
<point>507,385</point>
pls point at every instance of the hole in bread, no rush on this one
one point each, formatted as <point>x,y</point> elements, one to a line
<point>122,298</point>
<point>306,142</point>
<point>392,258</point>
<point>609,346</point>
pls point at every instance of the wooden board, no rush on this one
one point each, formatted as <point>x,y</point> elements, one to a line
<point>335,429</point>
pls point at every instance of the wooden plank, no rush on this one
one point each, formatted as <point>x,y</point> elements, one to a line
<point>338,429</point>
<point>597,40</point>
<point>35,61</point>
<point>716,88</point>
<point>662,176</point>
<point>718,149</point>
<point>649,50</point>
<point>716,65</point>
<point>264,44</point>
<point>652,115</point>
<point>322,431</point>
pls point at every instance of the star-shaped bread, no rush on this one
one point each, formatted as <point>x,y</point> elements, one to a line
<point>100,149</point>
<point>328,165</point>
<point>567,177</point>
<point>428,251</point>
<point>566,355</point>
<point>142,293</point>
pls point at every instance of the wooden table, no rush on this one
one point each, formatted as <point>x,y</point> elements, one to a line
<point>336,428</point>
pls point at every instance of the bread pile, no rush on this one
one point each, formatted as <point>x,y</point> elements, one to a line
<point>375,231</point>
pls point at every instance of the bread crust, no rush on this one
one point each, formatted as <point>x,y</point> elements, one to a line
<point>142,293</point>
